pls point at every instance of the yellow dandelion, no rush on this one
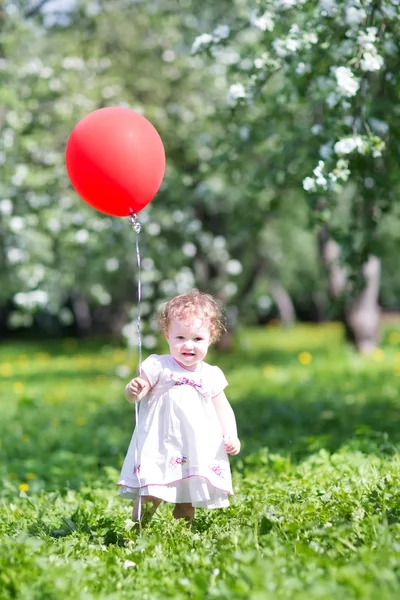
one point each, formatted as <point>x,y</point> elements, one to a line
<point>81,421</point>
<point>30,476</point>
<point>304,358</point>
<point>394,338</point>
<point>18,387</point>
<point>23,487</point>
<point>269,370</point>
<point>6,369</point>
<point>378,354</point>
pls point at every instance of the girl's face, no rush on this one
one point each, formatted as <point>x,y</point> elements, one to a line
<point>188,341</point>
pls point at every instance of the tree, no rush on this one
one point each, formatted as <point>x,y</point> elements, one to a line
<point>332,68</point>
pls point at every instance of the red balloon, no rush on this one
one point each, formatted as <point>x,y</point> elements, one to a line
<point>115,160</point>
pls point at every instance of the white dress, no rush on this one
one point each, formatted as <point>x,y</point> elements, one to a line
<point>177,451</point>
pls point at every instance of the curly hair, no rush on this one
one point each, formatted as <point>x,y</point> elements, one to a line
<point>191,305</point>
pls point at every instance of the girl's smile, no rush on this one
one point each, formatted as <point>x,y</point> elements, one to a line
<point>189,341</point>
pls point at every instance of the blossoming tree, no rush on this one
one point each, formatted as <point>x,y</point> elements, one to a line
<point>332,68</point>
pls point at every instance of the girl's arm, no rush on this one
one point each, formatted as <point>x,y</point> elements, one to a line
<point>227,421</point>
<point>137,388</point>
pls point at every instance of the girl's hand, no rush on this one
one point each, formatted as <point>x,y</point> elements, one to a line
<point>137,388</point>
<point>232,445</point>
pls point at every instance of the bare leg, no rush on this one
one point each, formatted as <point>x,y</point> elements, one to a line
<point>184,510</point>
<point>148,511</point>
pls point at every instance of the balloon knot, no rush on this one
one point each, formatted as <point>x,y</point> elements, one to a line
<point>133,220</point>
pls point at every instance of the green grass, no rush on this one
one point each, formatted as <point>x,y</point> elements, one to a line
<point>317,507</point>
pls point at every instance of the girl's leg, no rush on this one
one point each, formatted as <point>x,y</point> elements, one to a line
<point>147,511</point>
<point>184,510</point>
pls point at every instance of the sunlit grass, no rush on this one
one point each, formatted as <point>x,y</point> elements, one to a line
<point>317,505</point>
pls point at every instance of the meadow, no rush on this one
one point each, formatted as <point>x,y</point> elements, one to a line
<point>316,511</point>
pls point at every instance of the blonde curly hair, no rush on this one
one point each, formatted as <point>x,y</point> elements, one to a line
<point>191,305</point>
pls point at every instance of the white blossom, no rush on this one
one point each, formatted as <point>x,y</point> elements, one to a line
<point>354,16</point>
<point>234,267</point>
<point>153,229</point>
<point>236,92</point>
<point>128,564</point>
<point>73,63</point>
<point>316,129</point>
<point>112,264</point>
<point>201,42</point>
<point>16,224</point>
<point>221,32</point>
<point>347,83</point>
<point>6,207</point>
<point>369,36</point>
<point>189,249</point>
<point>100,294</point>
<point>264,22</point>
<point>82,236</point>
<point>31,300</point>
<point>309,184</point>
<point>21,173</point>
<point>371,62</point>
<point>15,256</point>
<point>349,144</point>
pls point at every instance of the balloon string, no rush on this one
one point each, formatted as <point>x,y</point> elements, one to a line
<point>136,226</point>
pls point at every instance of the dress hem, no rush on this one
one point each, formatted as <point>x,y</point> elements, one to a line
<point>122,483</point>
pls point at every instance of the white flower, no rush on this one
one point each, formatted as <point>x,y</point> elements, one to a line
<point>153,229</point>
<point>221,32</point>
<point>265,22</point>
<point>112,264</point>
<point>368,36</point>
<point>301,68</point>
<point>73,63</point>
<point>150,341</point>
<point>122,371</point>
<point>6,207</point>
<point>316,129</point>
<point>292,44</point>
<point>349,144</point>
<point>236,92</point>
<point>234,267</point>
<point>31,299</point>
<point>16,224</point>
<point>328,7</point>
<point>347,83</point>
<point>128,564</point>
<point>15,255</point>
<point>354,16</point>
<point>201,42</point>
<point>309,184</point>
<point>21,173</point>
<point>100,294</point>
<point>371,62</point>
<point>82,236</point>
<point>189,249</point>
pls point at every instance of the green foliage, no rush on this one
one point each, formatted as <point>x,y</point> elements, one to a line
<point>317,505</point>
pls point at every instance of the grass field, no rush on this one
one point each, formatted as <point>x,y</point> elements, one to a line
<point>316,513</point>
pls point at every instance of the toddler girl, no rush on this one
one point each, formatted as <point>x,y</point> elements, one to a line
<point>186,426</point>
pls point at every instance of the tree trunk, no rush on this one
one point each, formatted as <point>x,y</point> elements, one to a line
<point>361,317</point>
<point>82,314</point>
<point>283,301</point>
